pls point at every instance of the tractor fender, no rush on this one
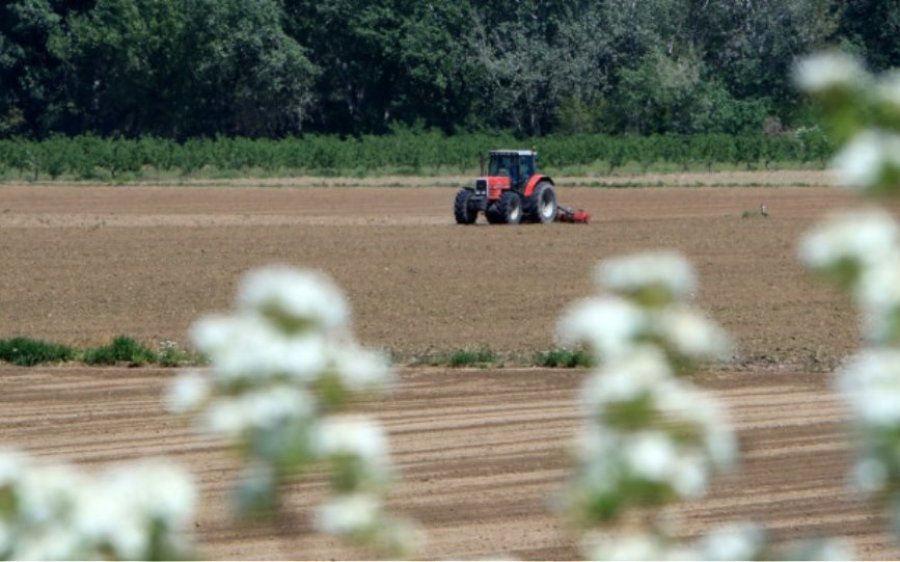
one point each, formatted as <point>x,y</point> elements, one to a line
<point>533,181</point>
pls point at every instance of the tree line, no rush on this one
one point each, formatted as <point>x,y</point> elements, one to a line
<point>275,68</point>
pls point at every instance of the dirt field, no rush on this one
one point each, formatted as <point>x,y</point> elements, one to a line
<point>481,452</point>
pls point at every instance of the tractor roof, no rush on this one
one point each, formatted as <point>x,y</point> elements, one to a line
<point>515,151</point>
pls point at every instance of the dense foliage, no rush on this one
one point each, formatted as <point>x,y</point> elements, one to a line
<point>404,152</point>
<point>274,68</point>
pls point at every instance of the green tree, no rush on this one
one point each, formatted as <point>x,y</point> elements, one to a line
<point>872,28</point>
<point>183,69</point>
<point>29,97</point>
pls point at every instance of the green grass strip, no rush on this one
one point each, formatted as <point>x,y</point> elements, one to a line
<point>27,352</point>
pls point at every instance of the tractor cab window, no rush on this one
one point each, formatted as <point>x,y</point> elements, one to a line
<point>502,165</point>
<point>527,166</point>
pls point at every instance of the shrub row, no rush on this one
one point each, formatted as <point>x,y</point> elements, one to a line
<point>28,352</point>
<point>403,152</point>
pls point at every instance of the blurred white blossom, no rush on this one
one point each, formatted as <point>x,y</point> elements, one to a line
<point>648,436</point>
<point>355,436</point>
<point>665,276</point>
<point>188,392</point>
<point>608,325</point>
<point>870,385</point>
<point>348,514</point>
<point>626,379</point>
<point>827,71</point>
<point>633,547</point>
<point>864,161</point>
<point>859,250</point>
<point>281,365</point>
<point>691,334</point>
<point>870,475</point>
<point>734,541</point>
<point>860,238</point>
<point>888,88</point>
<point>294,297</point>
<point>358,369</point>
<point>139,510</point>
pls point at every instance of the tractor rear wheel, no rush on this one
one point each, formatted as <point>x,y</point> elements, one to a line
<point>509,207</point>
<point>463,212</point>
<point>543,206</point>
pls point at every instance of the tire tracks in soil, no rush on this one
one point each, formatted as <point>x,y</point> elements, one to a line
<point>481,454</point>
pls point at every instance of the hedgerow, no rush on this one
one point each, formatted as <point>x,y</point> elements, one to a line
<point>405,151</point>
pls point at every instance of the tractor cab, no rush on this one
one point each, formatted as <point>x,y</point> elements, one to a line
<point>517,165</point>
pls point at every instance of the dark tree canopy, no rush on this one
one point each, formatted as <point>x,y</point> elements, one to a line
<point>273,68</point>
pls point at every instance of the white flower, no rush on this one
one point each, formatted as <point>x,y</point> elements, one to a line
<point>47,493</point>
<point>870,384</point>
<point>690,475</point>
<point>106,515</point>
<point>665,270</point>
<point>681,404</point>
<point>870,475</point>
<point>879,284</point>
<point>356,436</point>
<point>651,455</point>
<point>187,392</point>
<point>626,379</point>
<point>736,541</point>
<point>358,369</point>
<point>159,490</point>
<point>608,324</point>
<point>348,514</point>
<point>888,88</point>
<point>52,542</point>
<point>862,236</point>
<point>248,347</point>
<point>878,294</point>
<point>12,465</point>
<point>863,160</point>
<point>231,417</point>
<point>690,334</point>
<point>298,295</point>
<point>7,536</point>
<point>822,72</point>
<point>633,546</point>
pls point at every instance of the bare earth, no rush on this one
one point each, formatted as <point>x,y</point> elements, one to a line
<point>481,451</point>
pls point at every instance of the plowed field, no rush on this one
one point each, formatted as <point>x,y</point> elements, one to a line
<point>481,451</point>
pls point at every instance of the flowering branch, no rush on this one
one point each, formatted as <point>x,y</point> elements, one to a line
<point>136,511</point>
<point>284,366</point>
<point>649,436</point>
<point>860,251</point>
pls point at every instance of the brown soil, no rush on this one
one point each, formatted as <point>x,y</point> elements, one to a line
<point>481,451</point>
<point>83,264</point>
<point>481,455</point>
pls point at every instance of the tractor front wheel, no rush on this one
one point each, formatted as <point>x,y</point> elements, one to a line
<point>509,207</point>
<point>464,213</point>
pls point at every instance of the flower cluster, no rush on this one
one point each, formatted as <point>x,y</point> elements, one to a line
<point>860,251</point>
<point>283,367</point>
<point>862,112</point>
<point>649,437</point>
<point>138,511</point>
<point>735,541</point>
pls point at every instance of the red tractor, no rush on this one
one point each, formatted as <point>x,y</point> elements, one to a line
<point>511,192</point>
